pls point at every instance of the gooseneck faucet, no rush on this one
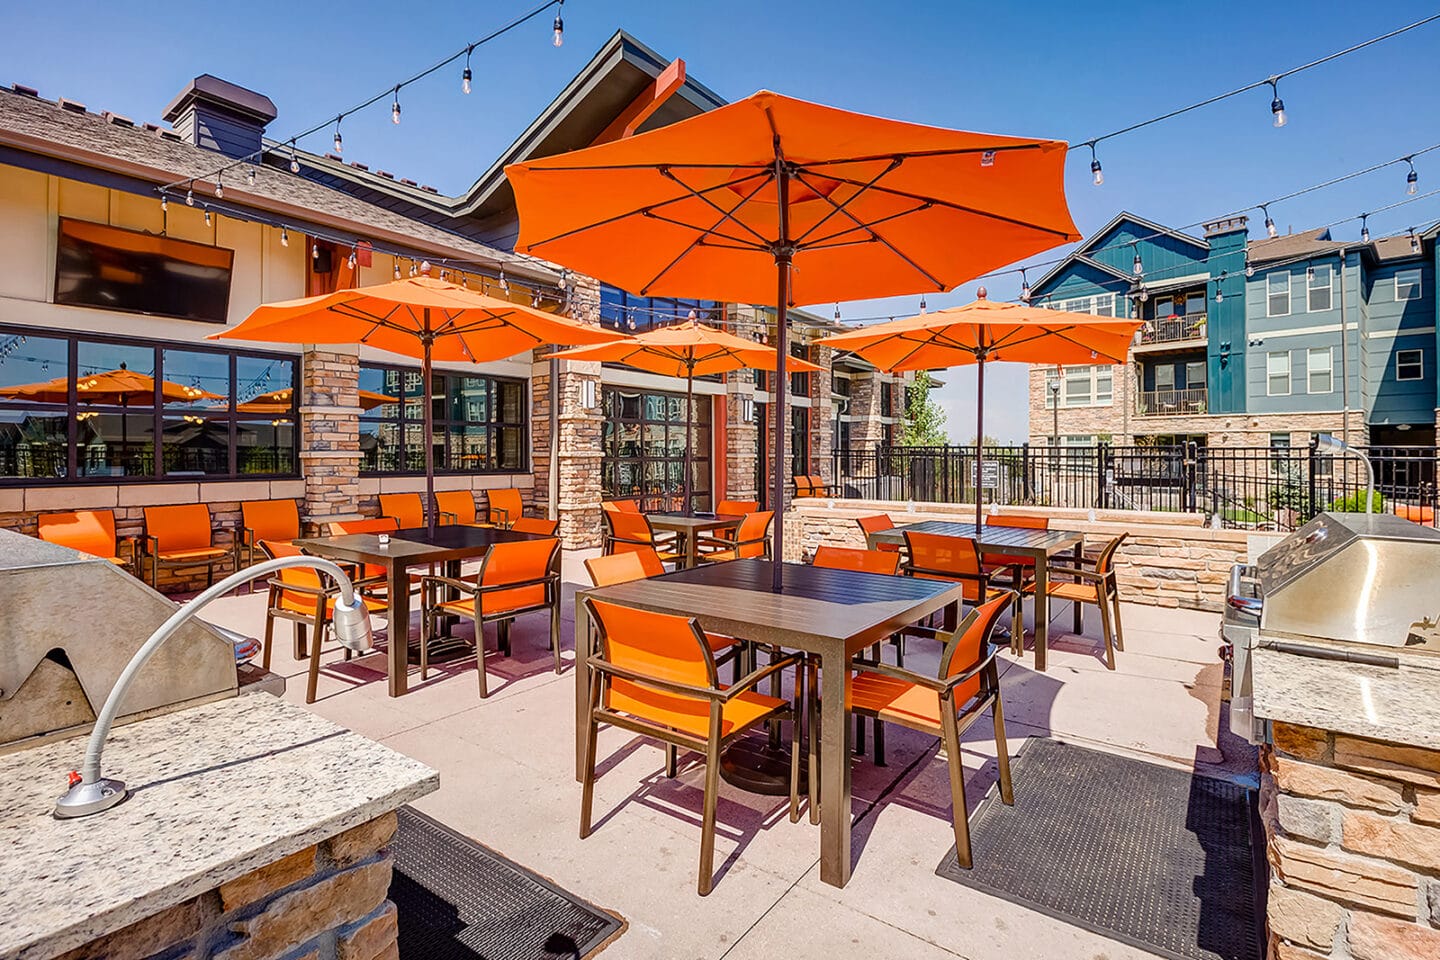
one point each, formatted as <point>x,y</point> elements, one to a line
<point>89,792</point>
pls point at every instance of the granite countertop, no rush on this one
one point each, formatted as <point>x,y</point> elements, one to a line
<point>217,791</point>
<point>1399,705</point>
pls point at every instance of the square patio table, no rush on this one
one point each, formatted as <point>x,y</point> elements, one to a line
<point>689,528</point>
<point>1039,545</point>
<point>831,614</point>
<point>414,547</point>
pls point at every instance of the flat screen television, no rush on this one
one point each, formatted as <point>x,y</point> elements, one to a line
<point>113,269</point>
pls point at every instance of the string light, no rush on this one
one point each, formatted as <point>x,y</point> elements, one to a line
<point>164,203</point>
<point>559,26</point>
<point>504,284</point>
<point>467,76</point>
<point>397,268</point>
<point>351,261</point>
<point>1412,179</point>
<point>284,237</point>
<point>1269,223</point>
<point>413,271</point>
<point>837,312</point>
<point>250,174</point>
<point>190,194</point>
<point>1138,267</point>
<point>207,215</point>
<point>315,251</point>
<point>294,159</point>
<point>1097,174</point>
<point>395,107</point>
<point>922,305</point>
<point>219,186</point>
<point>1219,293</point>
<point>1414,241</point>
<point>1024,287</point>
<point>1364,228</point>
<point>339,143</point>
<point>1277,106</point>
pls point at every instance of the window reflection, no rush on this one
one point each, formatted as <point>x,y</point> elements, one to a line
<point>644,449</point>
<point>34,394</point>
<point>479,422</point>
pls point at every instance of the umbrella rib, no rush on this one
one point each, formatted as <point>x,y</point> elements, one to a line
<point>920,154</point>
<point>959,207</point>
<point>822,243</point>
<point>725,214</point>
<point>800,240</point>
<point>739,243</point>
<point>886,243</point>
<point>699,239</point>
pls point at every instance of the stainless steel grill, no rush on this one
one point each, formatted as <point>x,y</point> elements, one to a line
<point>1346,586</point>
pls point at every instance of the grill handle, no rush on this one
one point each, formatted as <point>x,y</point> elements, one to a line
<point>1250,605</point>
<point>1325,653</point>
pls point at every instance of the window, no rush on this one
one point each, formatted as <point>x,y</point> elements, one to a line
<point>644,448</point>
<point>1195,375</point>
<point>1052,386</point>
<point>1086,386</point>
<point>1319,283</point>
<point>1279,452</point>
<point>1103,386</point>
<point>1407,284</point>
<point>1101,305</point>
<point>887,399</point>
<point>1078,440</point>
<point>1165,377</point>
<point>1105,305</point>
<point>799,382</point>
<point>1195,304</point>
<point>1164,307</point>
<point>1409,364</point>
<point>800,441</point>
<point>141,410</point>
<point>1277,374</point>
<point>480,423</point>
<point>630,313</point>
<point>1277,290</point>
<point>1319,370</point>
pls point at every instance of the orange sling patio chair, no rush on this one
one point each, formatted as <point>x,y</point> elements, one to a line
<point>852,558</point>
<point>621,506</point>
<point>804,486</point>
<point>736,508</point>
<point>89,531</point>
<point>1093,581</point>
<point>546,528</point>
<point>182,536</point>
<point>458,504</point>
<point>875,524</point>
<point>629,531</point>
<point>505,506</point>
<point>966,686</point>
<point>752,539</point>
<point>302,596</point>
<point>514,578</point>
<point>655,675</point>
<point>1013,570</point>
<point>277,520</point>
<point>372,573</point>
<point>408,509</point>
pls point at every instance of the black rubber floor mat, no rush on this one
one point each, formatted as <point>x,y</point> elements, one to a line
<point>457,900</point>
<point>1149,855</point>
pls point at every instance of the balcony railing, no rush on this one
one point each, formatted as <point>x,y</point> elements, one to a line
<point>1171,403</point>
<point>1173,330</point>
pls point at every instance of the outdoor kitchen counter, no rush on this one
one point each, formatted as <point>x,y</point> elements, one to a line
<point>219,791</point>
<point>1399,706</point>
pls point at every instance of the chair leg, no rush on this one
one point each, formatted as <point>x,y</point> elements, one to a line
<point>813,729</point>
<point>707,821</point>
<point>587,774</point>
<point>502,636</point>
<point>1119,630</point>
<point>672,760</point>
<point>795,753</point>
<point>879,742</point>
<point>300,641</point>
<point>555,633</point>
<point>269,639</point>
<point>859,736</point>
<point>313,681</point>
<point>1105,629</point>
<point>480,656</point>
<point>959,813</point>
<point>1002,754</point>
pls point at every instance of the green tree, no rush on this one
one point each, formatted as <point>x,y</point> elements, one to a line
<point>924,420</point>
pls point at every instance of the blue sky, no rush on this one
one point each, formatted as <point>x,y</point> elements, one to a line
<point>1054,69</point>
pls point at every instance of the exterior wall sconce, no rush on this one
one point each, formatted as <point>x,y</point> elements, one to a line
<point>747,409</point>
<point>588,395</point>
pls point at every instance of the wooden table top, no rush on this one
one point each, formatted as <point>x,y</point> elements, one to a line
<point>415,545</point>
<point>817,608</point>
<point>697,523</point>
<point>994,538</point>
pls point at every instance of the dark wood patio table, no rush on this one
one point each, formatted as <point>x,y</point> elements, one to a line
<point>831,614</point>
<point>416,547</point>
<point>1039,545</point>
<point>690,528</point>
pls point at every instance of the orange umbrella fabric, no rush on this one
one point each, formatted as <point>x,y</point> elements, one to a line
<point>111,388</point>
<point>688,350</point>
<point>278,402</point>
<point>983,331</point>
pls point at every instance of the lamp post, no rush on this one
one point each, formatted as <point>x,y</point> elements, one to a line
<point>90,793</point>
<point>1055,434</point>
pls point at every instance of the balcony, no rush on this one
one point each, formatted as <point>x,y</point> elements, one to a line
<point>1172,332</point>
<point>1171,403</point>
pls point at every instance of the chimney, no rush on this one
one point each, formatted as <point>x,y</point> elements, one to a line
<point>218,115</point>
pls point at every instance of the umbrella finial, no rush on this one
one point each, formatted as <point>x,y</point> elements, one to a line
<point>981,293</point>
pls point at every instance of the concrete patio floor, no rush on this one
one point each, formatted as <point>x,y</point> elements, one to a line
<point>506,768</point>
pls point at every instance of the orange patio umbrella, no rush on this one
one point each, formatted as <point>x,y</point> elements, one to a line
<point>688,350</point>
<point>119,387</point>
<point>985,331</point>
<point>418,316</point>
<point>269,404</point>
<point>772,200</point>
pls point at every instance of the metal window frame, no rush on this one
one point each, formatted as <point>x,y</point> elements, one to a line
<point>1419,362</point>
<point>1418,284</point>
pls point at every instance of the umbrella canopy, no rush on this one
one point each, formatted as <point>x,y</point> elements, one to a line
<point>120,387</point>
<point>417,317</point>
<point>983,331</point>
<point>725,204</point>
<point>278,402</point>
<point>688,350</point>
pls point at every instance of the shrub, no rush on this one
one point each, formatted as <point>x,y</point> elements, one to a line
<point>1355,503</point>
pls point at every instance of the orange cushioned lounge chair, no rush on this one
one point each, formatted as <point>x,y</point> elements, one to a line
<point>89,531</point>
<point>182,536</point>
<point>655,675</point>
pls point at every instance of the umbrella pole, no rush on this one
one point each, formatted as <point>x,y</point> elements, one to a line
<point>429,435</point>
<point>689,431</point>
<point>979,437</point>
<point>783,254</point>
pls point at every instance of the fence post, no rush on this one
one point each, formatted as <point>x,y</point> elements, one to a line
<point>1310,469</point>
<point>1102,456</point>
<point>1191,501</point>
<point>1025,472</point>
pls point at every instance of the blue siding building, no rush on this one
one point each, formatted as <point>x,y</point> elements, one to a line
<point>1247,342</point>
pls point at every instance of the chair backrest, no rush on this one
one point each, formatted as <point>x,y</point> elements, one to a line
<point>505,505</point>
<point>535,525</point>
<point>461,503</point>
<point>368,525</point>
<point>621,567</point>
<point>518,562</point>
<point>1017,520</point>
<point>876,523</point>
<point>271,519</point>
<point>293,576</point>
<point>803,486</point>
<point>817,486</point>
<point>850,558</point>
<point>1104,563</point>
<point>89,531</point>
<point>634,527</point>
<point>620,506</point>
<point>659,645</point>
<point>751,534</point>
<point>967,646</point>
<point>408,509</point>
<point>736,508</point>
<point>184,526</point>
<point>935,556</point>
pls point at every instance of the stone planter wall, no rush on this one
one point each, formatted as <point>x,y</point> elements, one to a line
<point>1353,842</point>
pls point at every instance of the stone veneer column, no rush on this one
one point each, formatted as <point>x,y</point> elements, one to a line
<point>742,439</point>
<point>822,416</point>
<point>866,430</point>
<point>329,435</point>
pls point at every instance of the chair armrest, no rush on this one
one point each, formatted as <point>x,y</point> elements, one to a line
<point>912,569</point>
<point>899,673</point>
<point>301,588</point>
<point>479,588</point>
<point>601,665</point>
<point>454,518</point>
<point>749,681</point>
<point>150,544</point>
<point>1089,575</point>
<point>429,581</point>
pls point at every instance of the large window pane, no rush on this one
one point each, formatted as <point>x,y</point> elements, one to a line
<point>196,446</point>
<point>646,458</point>
<point>115,444</point>
<point>34,393</point>
<point>265,446</point>
<point>33,443</point>
<point>479,422</point>
<point>195,380</point>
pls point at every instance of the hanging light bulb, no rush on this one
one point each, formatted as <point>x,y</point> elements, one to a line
<point>1096,174</point>
<point>219,186</point>
<point>1219,294</point>
<point>559,26</point>
<point>284,237</point>
<point>1277,106</point>
<point>922,305</point>
<point>1249,269</point>
<point>1269,223</point>
<point>207,216</point>
<point>1137,266</point>
<point>467,76</point>
<point>250,175</point>
<point>1144,294</point>
<point>425,267</point>
<point>190,194</point>
<point>395,107</point>
<point>1412,179</point>
<point>504,284</point>
<point>397,268</point>
<point>294,159</point>
<point>1364,230</point>
<point>1414,241</point>
<point>465,281</point>
<point>351,261</point>
<point>837,312</point>
<point>315,251</point>
<point>164,203</point>
<point>1024,287</point>
<point>339,143</point>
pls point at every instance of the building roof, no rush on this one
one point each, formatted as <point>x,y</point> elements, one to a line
<point>1309,243</point>
<point>1080,253</point>
<point>149,157</point>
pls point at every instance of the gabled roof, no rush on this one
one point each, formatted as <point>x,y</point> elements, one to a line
<point>1305,244</point>
<point>1124,216</point>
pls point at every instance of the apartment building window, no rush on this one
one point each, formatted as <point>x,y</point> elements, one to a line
<point>1319,370</point>
<point>800,441</point>
<point>1277,374</point>
<point>1101,305</point>
<point>1165,377</point>
<point>480,423</point>
<point>1407,284</point>
<point>1319,289</point>
<point>1409,364</point>
<point>1195,375</point>
<point>1052,386</point>
<point>1277,294</point>
<point>1088,386</point>
<point>887,400</point>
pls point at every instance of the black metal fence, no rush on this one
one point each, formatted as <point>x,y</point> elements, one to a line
<point>1263,488</point>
